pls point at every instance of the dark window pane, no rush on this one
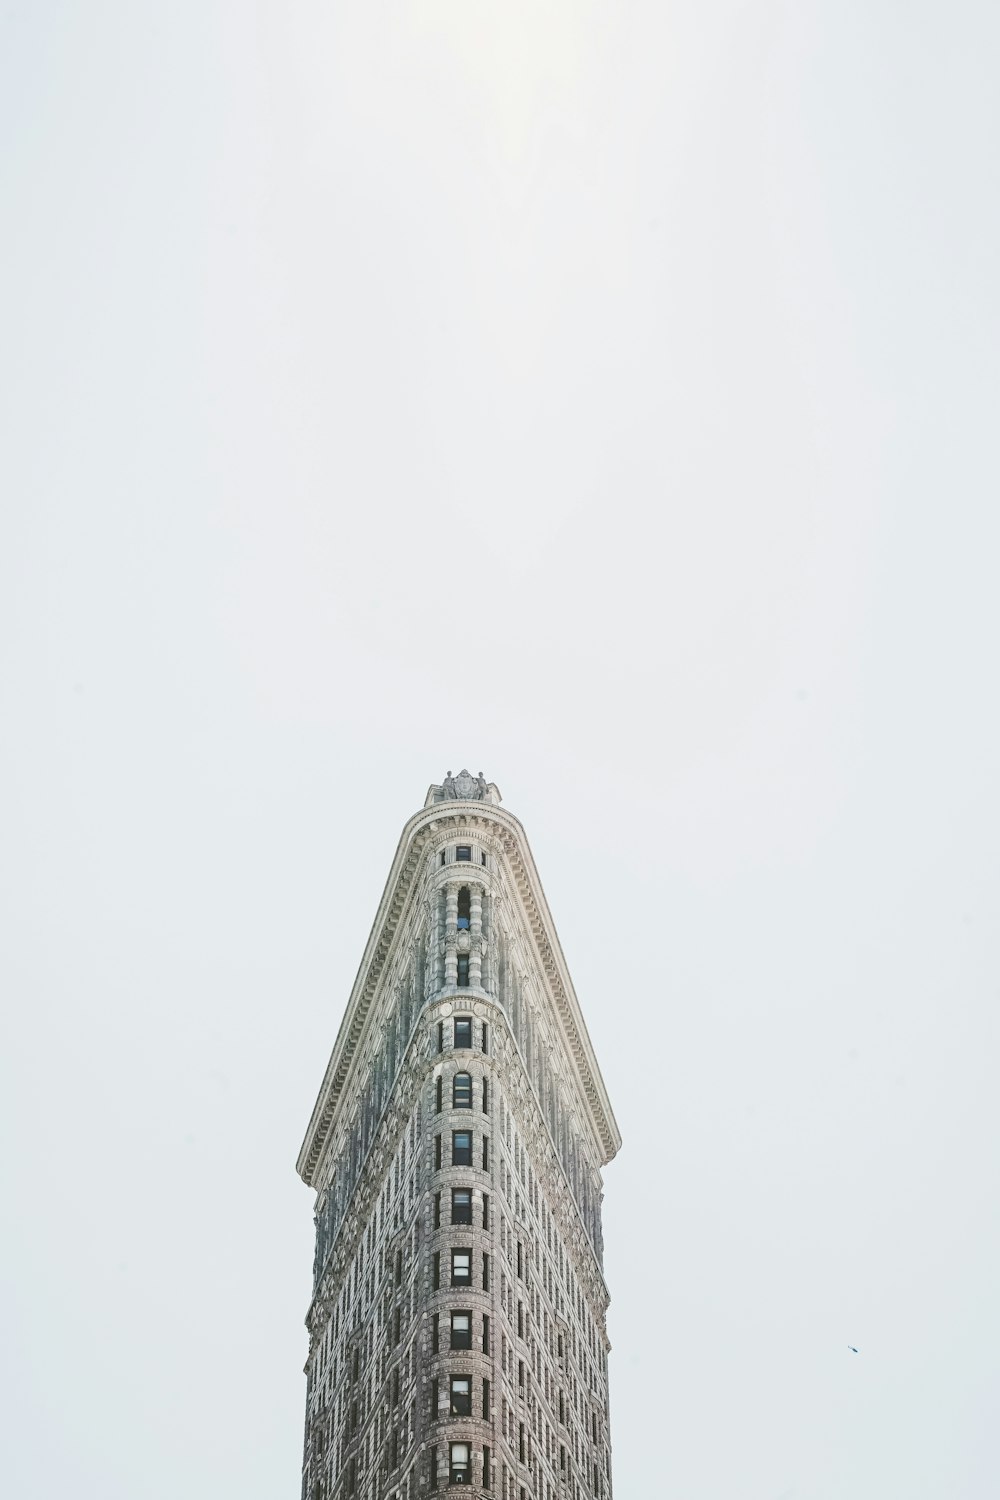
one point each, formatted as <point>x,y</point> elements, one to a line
<point>461,1148</point>
<point>463,1031</point>
<point>461,1205</point>
<point>463,851</point>
<point>463,982</point>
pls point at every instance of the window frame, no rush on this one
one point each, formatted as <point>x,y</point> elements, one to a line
<point>459,1209</point>
<point>463,1154</point>
<point>459,1403</point>
<point>457,1280</point>
<point>455,1102</point>
<point>459,1473</point>
<point>460,1312</point>
<point>466,1024</point>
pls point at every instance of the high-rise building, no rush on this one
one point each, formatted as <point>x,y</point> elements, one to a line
<point>457,1331</point>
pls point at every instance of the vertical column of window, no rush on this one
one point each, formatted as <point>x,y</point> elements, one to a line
<point>438,936</point>
<point>489,977</point>
<point>451,934</point>
<point>476,934</point>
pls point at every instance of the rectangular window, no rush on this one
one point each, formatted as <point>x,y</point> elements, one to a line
<point>486,1041</point>
<point>435,1333</point>
<point>437,1094</point>
<point>520,1320</point>
<point>486,1401</point>
<point>440,1036</point>
<point>486,1273</point>
<point>442,857</point>
<point>460,1464</point>
<point>432,1468</point>
<point>463,852</point>
<point>464,915</point>
<point>520,1374</point>
<point>461,1091</point>
<point>435,1395</point>
<point>461,1268</point>
<point>461,1330</point>
<point>437,1210</point>
<point>562,1456</point>
<point>462,975</point>
<point>463,1031</point>
<point>520,1260</point>
<point>437,1153</point>
<point>486,1153</point>
<point>461,1148</point>
<point>436,1272</point>
<point>482,856</point>
<point>486,1210</point>
<point>486,1096</point>
<point>461,1205</point>
<point>487,1470</point>
<point>461,1396</point>
<point>520,1441</point>
<point>486,1333</point>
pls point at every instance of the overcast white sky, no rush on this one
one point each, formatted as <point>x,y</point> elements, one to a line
<point>603,396</point>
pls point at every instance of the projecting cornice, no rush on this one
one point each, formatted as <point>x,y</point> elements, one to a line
<point>507,836</point>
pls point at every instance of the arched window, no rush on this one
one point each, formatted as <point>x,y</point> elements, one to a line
<point>461,1091</point>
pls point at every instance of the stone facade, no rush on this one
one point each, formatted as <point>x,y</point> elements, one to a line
<point>457,1332</point>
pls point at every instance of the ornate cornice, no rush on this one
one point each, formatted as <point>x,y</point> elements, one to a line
<point>506,834</point>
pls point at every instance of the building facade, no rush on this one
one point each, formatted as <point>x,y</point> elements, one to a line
<point>457,1331</point>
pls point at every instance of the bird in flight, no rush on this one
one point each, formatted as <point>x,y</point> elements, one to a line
<point>852,1348</point>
